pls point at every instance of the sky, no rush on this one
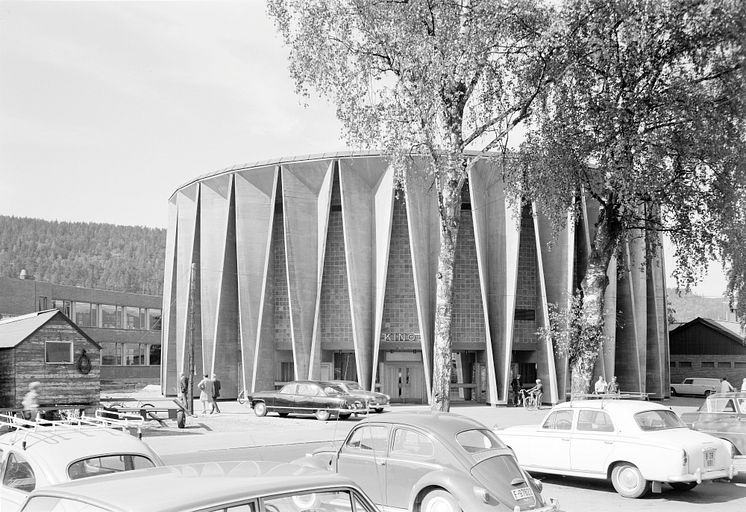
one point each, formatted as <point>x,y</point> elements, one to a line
<point>107,107</point>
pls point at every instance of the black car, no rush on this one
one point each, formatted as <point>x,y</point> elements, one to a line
<point>321,399</point>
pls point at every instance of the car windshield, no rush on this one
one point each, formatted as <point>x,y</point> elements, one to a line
<point>106,464</point>
<point>658,420</point>
<point>333,389</point>
<point>353,386</point>
<point>478,440</point>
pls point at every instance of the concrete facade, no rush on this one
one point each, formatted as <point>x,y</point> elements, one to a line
<point>319,267</point>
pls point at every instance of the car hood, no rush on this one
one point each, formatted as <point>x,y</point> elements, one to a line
<point>367,394</point>
<point>503,478</point>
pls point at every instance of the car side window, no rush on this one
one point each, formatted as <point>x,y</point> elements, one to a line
<point>595,421</point>
<point>289,389</point>
<point>322,501</point>
<point>688,381</point>
<point>18,474</point>
<point>243,507</point>
<point>371,439</point>
<point>410,443</point>
<point>559,420</point>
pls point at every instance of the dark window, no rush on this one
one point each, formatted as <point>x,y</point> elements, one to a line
<point>685,364</point>
<point>154,319</point>
<point>708,364</point>
<point>155,355</point>
<point>59,351</point>
<point>525,314</point>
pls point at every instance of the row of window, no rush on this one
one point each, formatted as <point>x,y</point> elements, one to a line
<point>107,316</point>
<point>709,364</point>
<point>112,354</point>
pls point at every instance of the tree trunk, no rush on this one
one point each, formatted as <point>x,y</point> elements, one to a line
<point>449,206</point>
<point>591,315</point>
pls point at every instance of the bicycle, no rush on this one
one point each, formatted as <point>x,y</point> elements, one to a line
<point>242,397</point>
<point>531,402</point>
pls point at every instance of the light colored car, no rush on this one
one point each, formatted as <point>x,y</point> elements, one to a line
<point>432,462</point>
<point>214,487</point>
<point>722,415</point>
<point>373,400</point>
<point>700,386</point>
<point>637,444</point>
<point>35,458</point>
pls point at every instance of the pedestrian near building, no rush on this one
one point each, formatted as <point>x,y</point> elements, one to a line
<point>725,386</point>
<point>613,387</point>
<point>183,387</point>
<point>205,394</point>
<point>31,401</point>
<point>600,387</point>
<point>515,387</point>
<point>743,384</point>
<point>215,394</point>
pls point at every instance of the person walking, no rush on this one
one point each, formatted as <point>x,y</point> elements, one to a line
<point>743,384</point>
<point>31,401</point>
<point>515,387</point>
<point>205,394</point>
<point>725,386</point>
<point>215,394</point>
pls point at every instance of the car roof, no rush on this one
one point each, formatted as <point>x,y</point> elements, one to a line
<point>731,394</point>
<point>193,486</point>
<point>613,404</point>
<point>446,424</point>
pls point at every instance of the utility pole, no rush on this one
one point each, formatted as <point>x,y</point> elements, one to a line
<point>190,341</point>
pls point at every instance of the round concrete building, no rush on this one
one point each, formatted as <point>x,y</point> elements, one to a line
<point>320,267</point>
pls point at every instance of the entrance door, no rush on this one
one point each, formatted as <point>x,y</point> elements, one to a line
<point>405,382</point>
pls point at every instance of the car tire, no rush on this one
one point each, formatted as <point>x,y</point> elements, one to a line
<point>379,410</point>
<point>628,481</point>
<point>683,486</point>
<point>260,409</point>
<point>283,414</point>
<point>707,393</point>
<point>322,415</point>
<point>344,415</point>
<point>439,501</point>
<point>673,392</point>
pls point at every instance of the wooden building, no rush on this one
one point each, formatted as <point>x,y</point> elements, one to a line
<point>49,348</point>
<point>708,348</point>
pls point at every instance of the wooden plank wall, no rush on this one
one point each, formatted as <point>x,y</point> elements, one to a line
<point>60,383</point>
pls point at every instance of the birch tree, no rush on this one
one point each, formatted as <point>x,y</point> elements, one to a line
<point>425,78</point>
<point>648,122</point>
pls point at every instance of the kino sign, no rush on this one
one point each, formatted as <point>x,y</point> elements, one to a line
<point>400,336</point>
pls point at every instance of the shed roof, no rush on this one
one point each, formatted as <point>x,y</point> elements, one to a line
<point>728,329</point>
<point>16,329</point>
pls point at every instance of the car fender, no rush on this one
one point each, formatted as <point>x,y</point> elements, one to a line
<point>647,458</point>
<point>455,483</point>
<point>321,460</point>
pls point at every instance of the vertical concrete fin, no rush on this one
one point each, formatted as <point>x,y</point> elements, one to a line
<point>383,217</point>
<point>302,185</point>
<point>214,208</point>
<point>359,179</point>
<point>186,200</point>
<point>638,272</point>
<point>545,348</point>
<point>170,371</point>
<point>656,363</point>
<point>422,209</point>
<point>255,193</point>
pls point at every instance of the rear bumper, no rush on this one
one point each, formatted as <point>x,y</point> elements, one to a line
<point>699,476</point>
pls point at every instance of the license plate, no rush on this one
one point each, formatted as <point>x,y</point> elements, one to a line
<point>709,458</point>
<point>522,493</point>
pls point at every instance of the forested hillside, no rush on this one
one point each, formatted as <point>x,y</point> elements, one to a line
<point>121,258</point>
<point>689,306</point>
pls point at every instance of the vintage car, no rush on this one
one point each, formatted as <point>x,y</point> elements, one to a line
<point>700,386</point>
<point>637,444</point>
<point>321,399</point>
<point>216,486</point>
<point>722,415</point>
<point>33,458</point>
<point>372,399</point>
<point>432,462</point>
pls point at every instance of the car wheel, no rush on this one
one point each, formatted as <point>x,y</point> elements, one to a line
<point>673,392</point>
<point>283,414</point>
<point>379,410</point>
<point>439,501</point>
<point>344,415</point>
<point>707,393</point>
<point>628,481</point>
<point>322,415</point>
<point>683,486</point>
<point>260,409</point>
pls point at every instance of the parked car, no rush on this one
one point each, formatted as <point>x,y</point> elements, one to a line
<point>372,399</point>
<point>33,459</point>
<point>722,415</point>
<point>696,386</point>
<point>321,399</point>
<point>637,444</point>
<point>432,462</point>
<point>215,486</point>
